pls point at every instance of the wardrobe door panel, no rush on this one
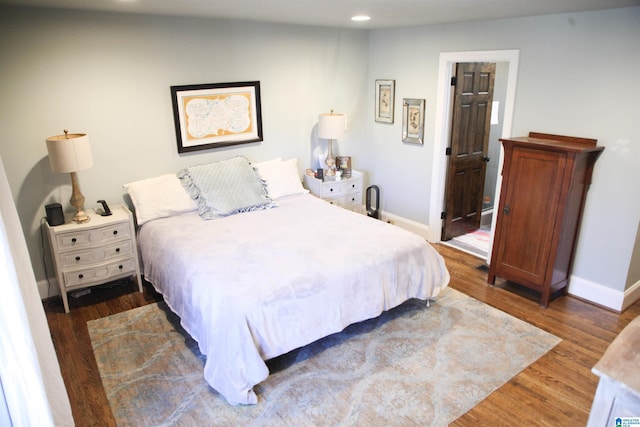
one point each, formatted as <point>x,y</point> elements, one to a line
<point>529,213</point>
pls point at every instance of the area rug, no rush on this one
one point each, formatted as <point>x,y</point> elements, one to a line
<point>413,365</point>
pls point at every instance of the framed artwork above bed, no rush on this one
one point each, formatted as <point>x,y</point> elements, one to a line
<point>216,115</point>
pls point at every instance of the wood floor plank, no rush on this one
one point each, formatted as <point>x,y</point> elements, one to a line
<point>555,390</point>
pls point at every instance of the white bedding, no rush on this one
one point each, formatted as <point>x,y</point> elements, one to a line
<point>256,285</point>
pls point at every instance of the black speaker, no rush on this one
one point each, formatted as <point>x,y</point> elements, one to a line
<point>54,214</point>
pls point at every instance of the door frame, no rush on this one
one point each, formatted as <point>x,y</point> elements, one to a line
<point>443,124</point>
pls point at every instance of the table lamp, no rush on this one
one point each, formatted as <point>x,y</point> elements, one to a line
<point>71,153</point>
<point>331,126</point>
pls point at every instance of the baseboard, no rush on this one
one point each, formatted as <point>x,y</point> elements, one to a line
<point>603,295</point>
<point>631,295</point>
<point>48,289</point>
<point>416,227</point>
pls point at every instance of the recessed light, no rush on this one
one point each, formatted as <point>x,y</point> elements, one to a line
<point>360,18</point>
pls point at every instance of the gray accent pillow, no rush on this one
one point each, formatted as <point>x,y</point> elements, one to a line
<point>225,188</point>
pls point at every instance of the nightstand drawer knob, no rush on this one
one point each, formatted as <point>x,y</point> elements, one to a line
<point>80,276</point>
<point>117,249</point>
<point>115,232</point>
<point>77,258</point>
<point>73,240</point>
<point>120,266</point>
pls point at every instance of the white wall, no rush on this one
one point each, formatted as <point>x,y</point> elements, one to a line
<point>576,77</point>
<point>109,75</point>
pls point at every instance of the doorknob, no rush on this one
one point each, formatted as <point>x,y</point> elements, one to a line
<point>507,209</point>
<point>485,159</point>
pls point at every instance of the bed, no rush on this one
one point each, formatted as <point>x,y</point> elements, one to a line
<point>254,283</point>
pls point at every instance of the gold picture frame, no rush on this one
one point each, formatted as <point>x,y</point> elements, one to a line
<point>413,120</point>
<point>216,115</point>
<point>385,100</point>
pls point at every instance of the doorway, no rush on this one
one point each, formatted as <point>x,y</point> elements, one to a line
<point>468,151</point>
<point>472,233</point>
<point>443,126</point>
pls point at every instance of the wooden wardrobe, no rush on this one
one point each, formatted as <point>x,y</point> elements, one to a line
<point>545,179</point>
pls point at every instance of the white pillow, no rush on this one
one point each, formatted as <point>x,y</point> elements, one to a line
<point>268,163</point>
<point>159,197</point>
<point>282,177</point>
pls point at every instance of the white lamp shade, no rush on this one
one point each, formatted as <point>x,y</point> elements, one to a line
<point>69,153</point>
<point>331,126</point>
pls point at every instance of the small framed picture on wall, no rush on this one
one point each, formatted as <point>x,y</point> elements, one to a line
<point>413,120</point>
<point>385,96</point>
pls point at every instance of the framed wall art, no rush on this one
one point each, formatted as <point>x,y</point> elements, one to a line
<point>216,115</point>
<point>385,97</point>
<point>413,120</point>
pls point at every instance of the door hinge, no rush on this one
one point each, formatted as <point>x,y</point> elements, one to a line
<point>447,152</point>
<point>443,215</point>
<point>454,81</point>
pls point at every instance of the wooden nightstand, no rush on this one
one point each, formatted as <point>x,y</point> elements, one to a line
<point>96,252</point>
<point>346,193</point>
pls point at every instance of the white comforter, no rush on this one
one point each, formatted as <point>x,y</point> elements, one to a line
<point>256,285</point>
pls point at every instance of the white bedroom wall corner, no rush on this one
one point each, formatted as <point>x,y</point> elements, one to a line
<point>48,289</point>
<point>631,295</point>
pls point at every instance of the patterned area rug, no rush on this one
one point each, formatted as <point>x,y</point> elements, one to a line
<point>414,365</point>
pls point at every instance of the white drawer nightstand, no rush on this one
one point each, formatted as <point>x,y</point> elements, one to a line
<point>93,253</point>
<point>346,193</point>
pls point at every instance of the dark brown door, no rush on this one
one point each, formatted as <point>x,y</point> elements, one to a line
<point>468,151</point>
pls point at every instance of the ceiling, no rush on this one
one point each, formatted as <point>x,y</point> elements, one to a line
<point>337,13</point>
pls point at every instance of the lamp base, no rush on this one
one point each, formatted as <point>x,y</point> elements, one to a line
<point>77,201</point>
<point>81,217</point>
<point>330,161</point>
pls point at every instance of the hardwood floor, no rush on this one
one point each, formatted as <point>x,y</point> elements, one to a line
<point>555,390</point>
